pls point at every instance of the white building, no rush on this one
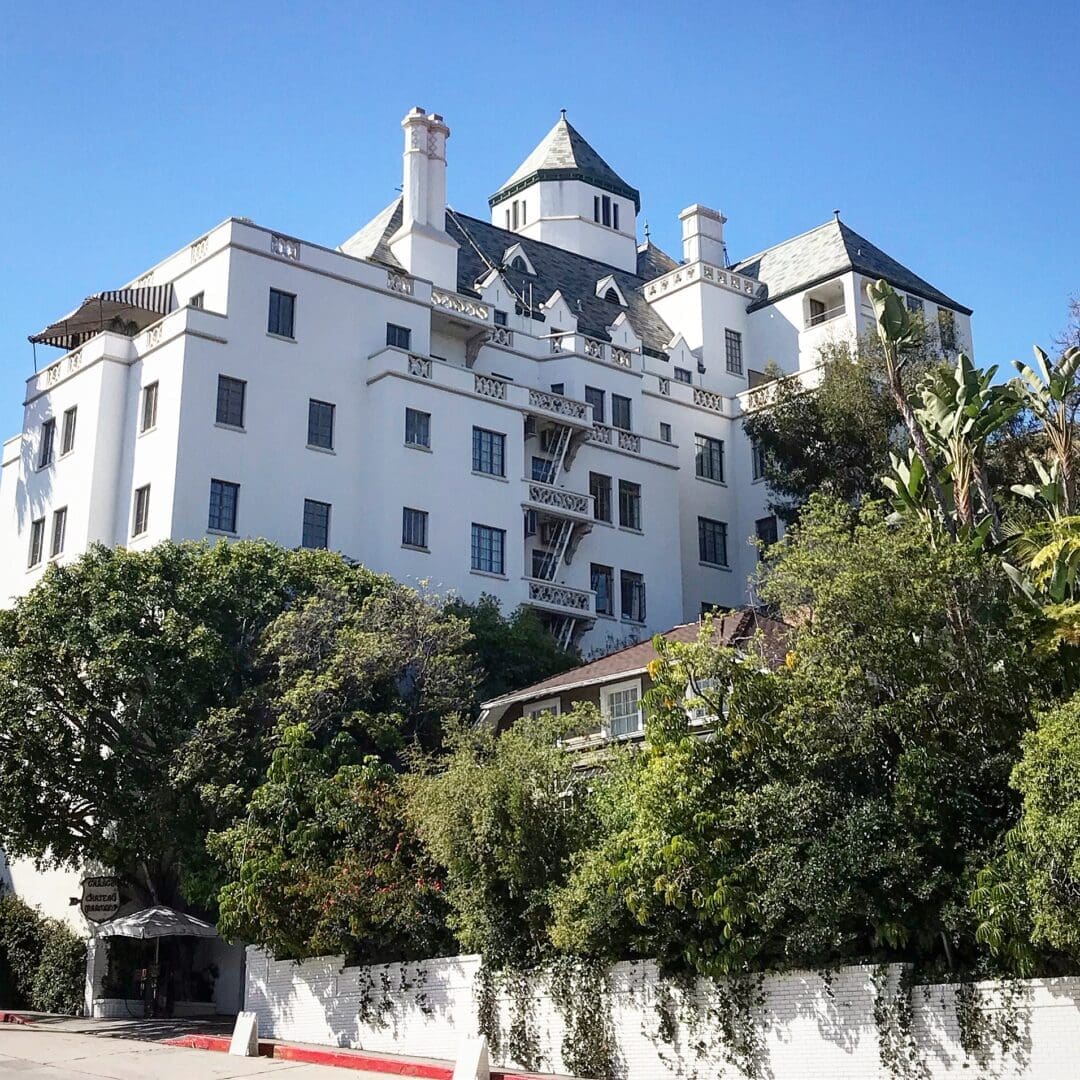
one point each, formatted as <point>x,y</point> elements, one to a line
<point>537,406</point>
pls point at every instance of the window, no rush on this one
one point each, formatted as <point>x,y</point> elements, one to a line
<point>140,517</point>
<point>413,528</point>
<point>37,541</point>
<point>223,499</point>
<point>765,529</point>
<point>543,469</point>
<point>605,210</point>
<point>148,417</point>
<point>548,705</point>
<point>712,541</point>
<point>514,218</point>
<point>632,589</point>
<point>519,264</point>
<point>316,532</point>
<point>67,435</point>
<point>488,452</point>
<point>757,460</point>
<point>198,300</point>
<point>665,432</point>
<point>282,310</point>
<point>733,351</point>
<point>488,545</point>
<point>230,401</point>
<point>600,490</point>
<point>602,582</point>
<point>543,564</point>
<point>615,215</point>
<point>612,296</point>
<point>682,375</point>
<point>709,458</point>
<point>595,398</point>
<point>417,428</point>
<point>48,441</point>
<point>817,311</point>
<point>500,317</point>
<point>947,329</point>
<point>558,388</point>
<point>596,208</point>
<point>623,710</point>
<point>620,412</point>
<point>629,505</point>
<point>398,336</point>
<point>914,304</point>
<point>320,424</point>
<point>59,532</point>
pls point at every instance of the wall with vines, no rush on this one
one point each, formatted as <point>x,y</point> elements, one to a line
<point>631,1022</point>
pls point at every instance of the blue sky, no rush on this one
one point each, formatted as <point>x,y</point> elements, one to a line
<point>944,132</point>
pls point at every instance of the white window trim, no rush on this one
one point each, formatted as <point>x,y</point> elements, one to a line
<point>512,253</point>
<point>552,705</point>
<point>605,708</point>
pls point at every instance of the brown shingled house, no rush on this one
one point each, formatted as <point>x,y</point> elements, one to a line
<point>616,683</point>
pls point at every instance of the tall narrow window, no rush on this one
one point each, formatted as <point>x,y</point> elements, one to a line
<point>48,443</point>
<point>414,528</point>
<point>595,398</point>
<point>316,532</point>
<point>198,300</point>
<point>417,428</point>
<point>59,532</point>
<point>600,490</point>
<point>148,418</point>
<point>230,401</point>
<point>615,215</point>
<point>709,458</point>
<point>282,313</point>
<point>320,424</point>
<point>620,412</point>
<point>712,541</point>
<point>67,434</point>
<point>665,432</point>
<point>37,542</point>
<point>914,304</point>
<point>514,214</point>
<point>632,588</point>
<point>947,329</point>
<point>623,711</point>
<point>400,337</point>
<point>224,497</point>
<point>733,351</point>
<point>602,582</point>
<point>605,209</point>
<point>596,208</point>
<point>140,517</point>
<point>488,546</point>
<point>757,460</point>
<point>629,505</point>
<point>488,452</point>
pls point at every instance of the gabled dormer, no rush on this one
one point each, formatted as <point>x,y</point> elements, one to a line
<point>607,288</point>
<point>514,258</point>
<point>565,194</point>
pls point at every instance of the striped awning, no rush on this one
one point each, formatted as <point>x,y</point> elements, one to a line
<point>125,310</point>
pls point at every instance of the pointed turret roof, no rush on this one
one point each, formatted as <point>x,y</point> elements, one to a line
<point>564,154</point>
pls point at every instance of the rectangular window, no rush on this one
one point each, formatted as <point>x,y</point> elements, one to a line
<point>488,545</point>
<point>620,412</point>
<point>398,336</point>
<point>543,564</point>
<point>148,417</point>
<point>629,505</point>
<point>733,351</point>
<point>766,531</point>
<point>500,317</point>
<point>682,375</point>
<point>413,527</point>
<point>37,542</point>
<point>817,311</point>
<point>595,398</point>
<point>140,517</point>
<point>67,434</point>
<point>914,304</point>
<point>543,469</point>
<point>558,388</point>
<point>615,215</point>
<point>712,541</point>
<point>596,208</point>
<point>488,452</point>
<point>602,582</point>
<point>223,499</point>
<point>48,443</point>
<point>320,424</point>
<point>605,209</point>
<point>514,219</point>
<point>632,590</point>
<point>282,310</point>
<point>59,532</point>
<point>417,428</point>
<point>198,300</point>
<point>947,329</point>
<point>623,711</point>
<point>665,432</point>
<point>709,457</point>
<point>757,461</point>
<point>230,401</point>
<point>316,532</point>
<point>600,490</point>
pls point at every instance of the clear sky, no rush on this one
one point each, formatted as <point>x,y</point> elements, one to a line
<point>946,133</point>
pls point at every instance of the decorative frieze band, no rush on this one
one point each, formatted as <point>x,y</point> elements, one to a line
<point>285,247</point>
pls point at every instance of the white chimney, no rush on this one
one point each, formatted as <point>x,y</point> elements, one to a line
<point>703,235</point>
<point>422,245</point>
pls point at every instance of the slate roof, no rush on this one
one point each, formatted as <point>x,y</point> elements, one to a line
<point>652,262</point>
<point>824,252</point>
<point>371,242</point>
<point>564,154</point>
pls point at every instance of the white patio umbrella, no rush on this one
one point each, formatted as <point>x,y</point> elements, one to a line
<point>156,922</point>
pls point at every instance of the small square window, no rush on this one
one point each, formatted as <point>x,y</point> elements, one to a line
<point>48,443</point>
<point>398,336</point>
<point>316,533</point>
<point>665,432</point>
<point>712,542</point>
<point>320,424</point>
<point>558,388</point>
<point>148,417</point>
<point>59,532</point>
<point>37,542</point>
<point>67,436</point>
<point>417,428</point>
<point>414,527</point>
<point>224,497</point>
<point>140,517</point>
<point>230,401</point>
<point>488,547</point>
<point>282,313</point>
<point>683,375</point>
<point>500,317</point>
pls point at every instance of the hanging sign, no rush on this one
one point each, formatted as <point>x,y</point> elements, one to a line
<point>100,898</point>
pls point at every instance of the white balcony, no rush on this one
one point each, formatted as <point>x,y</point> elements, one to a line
<point>558,502</point>
<point>561,599</point>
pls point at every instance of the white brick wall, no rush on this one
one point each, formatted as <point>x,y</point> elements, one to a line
<point>809,1029</point>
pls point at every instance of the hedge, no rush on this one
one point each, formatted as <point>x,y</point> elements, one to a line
<point>42,961</point>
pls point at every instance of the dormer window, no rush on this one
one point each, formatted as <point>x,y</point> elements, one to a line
<point>519,265</point>
<point>514,258</point>
<point>607,288</point>
<point>612,296</point>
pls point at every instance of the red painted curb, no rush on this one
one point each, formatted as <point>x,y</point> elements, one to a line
<point>13,1018</point>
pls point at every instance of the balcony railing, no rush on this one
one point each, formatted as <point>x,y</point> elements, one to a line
<point>562,599</point>
<point>609,436</point>
<point>460,305</point>
<point>546,498</point>
<point>825,316</point>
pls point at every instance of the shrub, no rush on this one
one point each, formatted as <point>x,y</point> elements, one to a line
<point>42,961</point>
<point>21,942</point>
<point>61,972</point>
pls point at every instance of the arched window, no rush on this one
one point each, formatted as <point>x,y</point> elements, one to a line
<point>612,296</point>
<point>519,265</point>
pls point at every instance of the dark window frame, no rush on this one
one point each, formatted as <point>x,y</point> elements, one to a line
<point>59,532</point>
<point>398,337</point>
<point>632,596</point>
<point>67,430</point>
<point>415,420</point>
<point>47,447</point>
<point>598,573</point>
<point>414,528</point>
<point>320,431</point>
<point>488,545</point>
<point>148,413</point>
<point>224,502</point>
<point>488,448</point>
<point>712,542</point>
<point>316,516</point>
<point>594,394</point>
<point>629,505</point>
<point>601,493</point>
<point>733,356</point>
<point>36,550</point>
<point>140,511</point>
<point>618,404</point>
<point>229,389</point>
<point>709,458</point>
<point>281,315</point>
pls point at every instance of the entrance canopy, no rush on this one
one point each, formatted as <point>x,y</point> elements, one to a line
<point>156,922</point>
<point>129,310</point>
